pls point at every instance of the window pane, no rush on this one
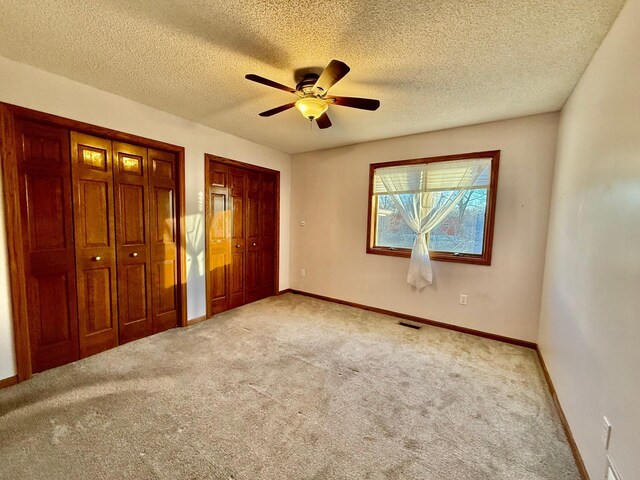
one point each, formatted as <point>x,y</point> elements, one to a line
<point>391,229</point>
<point>433,176</point>
<point>462,231</point>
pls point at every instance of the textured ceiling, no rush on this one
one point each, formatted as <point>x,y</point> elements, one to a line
<point>433,64</point>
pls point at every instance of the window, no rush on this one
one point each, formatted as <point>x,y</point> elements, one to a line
<point>453,197</point>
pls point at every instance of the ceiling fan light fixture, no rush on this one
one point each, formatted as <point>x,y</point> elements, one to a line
<point>311,92</point>
<point>311,107</point>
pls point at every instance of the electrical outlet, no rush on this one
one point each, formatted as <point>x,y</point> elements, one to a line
<point>606,432</point>
<point>303,272</point>
<point>302,223</point>
<point>463,299</point>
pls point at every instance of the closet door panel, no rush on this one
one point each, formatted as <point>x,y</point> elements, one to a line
<point>252,271</point>
<point>97,283</point>
<point>47,230</point>
<point>165,275</point>
<point>95,202</point>
<point>46,212</point>
<point>218,248</point>
<point>237,197</point>
<point>163,241</point>
<point>133,214</point>
<point>267,242</point>
<point>91,160</point>
<point>130,168</point>
<point>133,298</point>
<point>52,315</point>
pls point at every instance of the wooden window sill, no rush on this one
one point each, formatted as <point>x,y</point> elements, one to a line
<point>435,256</point>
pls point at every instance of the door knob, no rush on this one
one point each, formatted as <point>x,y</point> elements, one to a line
<point>253,244</point>
<point>237,245</point>
<point>96,259</point>
<point>134,254</point>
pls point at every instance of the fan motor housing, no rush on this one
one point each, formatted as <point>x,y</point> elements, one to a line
<point>313,100</point>
<point>307,83</point>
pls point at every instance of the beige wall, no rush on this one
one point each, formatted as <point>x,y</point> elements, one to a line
<point>330,191</point>
<point>29,87</point>
<point>590,315</point>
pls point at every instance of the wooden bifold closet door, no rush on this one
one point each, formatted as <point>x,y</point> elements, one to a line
<point>46,210</point>
<point>237,203</point>
<point>163,239</point>
<point>130,169</point>
<point>218,239</point>
<point>92,173</point>
<point>241,235</point>
<point>126,245</point>
<point>261,203</point>
<point>95,234</point>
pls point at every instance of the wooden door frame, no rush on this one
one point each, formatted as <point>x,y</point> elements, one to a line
<point>16,255</point>
<point>208,158</point>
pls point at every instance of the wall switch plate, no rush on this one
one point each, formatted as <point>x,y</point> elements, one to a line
<point>302,223</point>
<point>463,299</point>
<point>303,272</point>
<point>606,432</point>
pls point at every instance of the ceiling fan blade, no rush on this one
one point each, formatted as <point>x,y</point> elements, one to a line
<point>269,83</point>
<point>355,102</point>
<point>279,109</point>
<point>331,75</point>
<point>323,121</point>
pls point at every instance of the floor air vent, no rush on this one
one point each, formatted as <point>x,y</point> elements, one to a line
<point>410,325</point>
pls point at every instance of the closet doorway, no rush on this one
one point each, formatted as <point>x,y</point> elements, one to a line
<point>95,235</point>
<point>242,213</point>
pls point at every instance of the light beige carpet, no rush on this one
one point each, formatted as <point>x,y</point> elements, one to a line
<point>289,388</point>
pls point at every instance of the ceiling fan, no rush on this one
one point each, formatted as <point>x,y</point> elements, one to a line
<point>312,90</point>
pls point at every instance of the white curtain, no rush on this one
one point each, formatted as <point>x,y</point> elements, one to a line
<point>424,195</point>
